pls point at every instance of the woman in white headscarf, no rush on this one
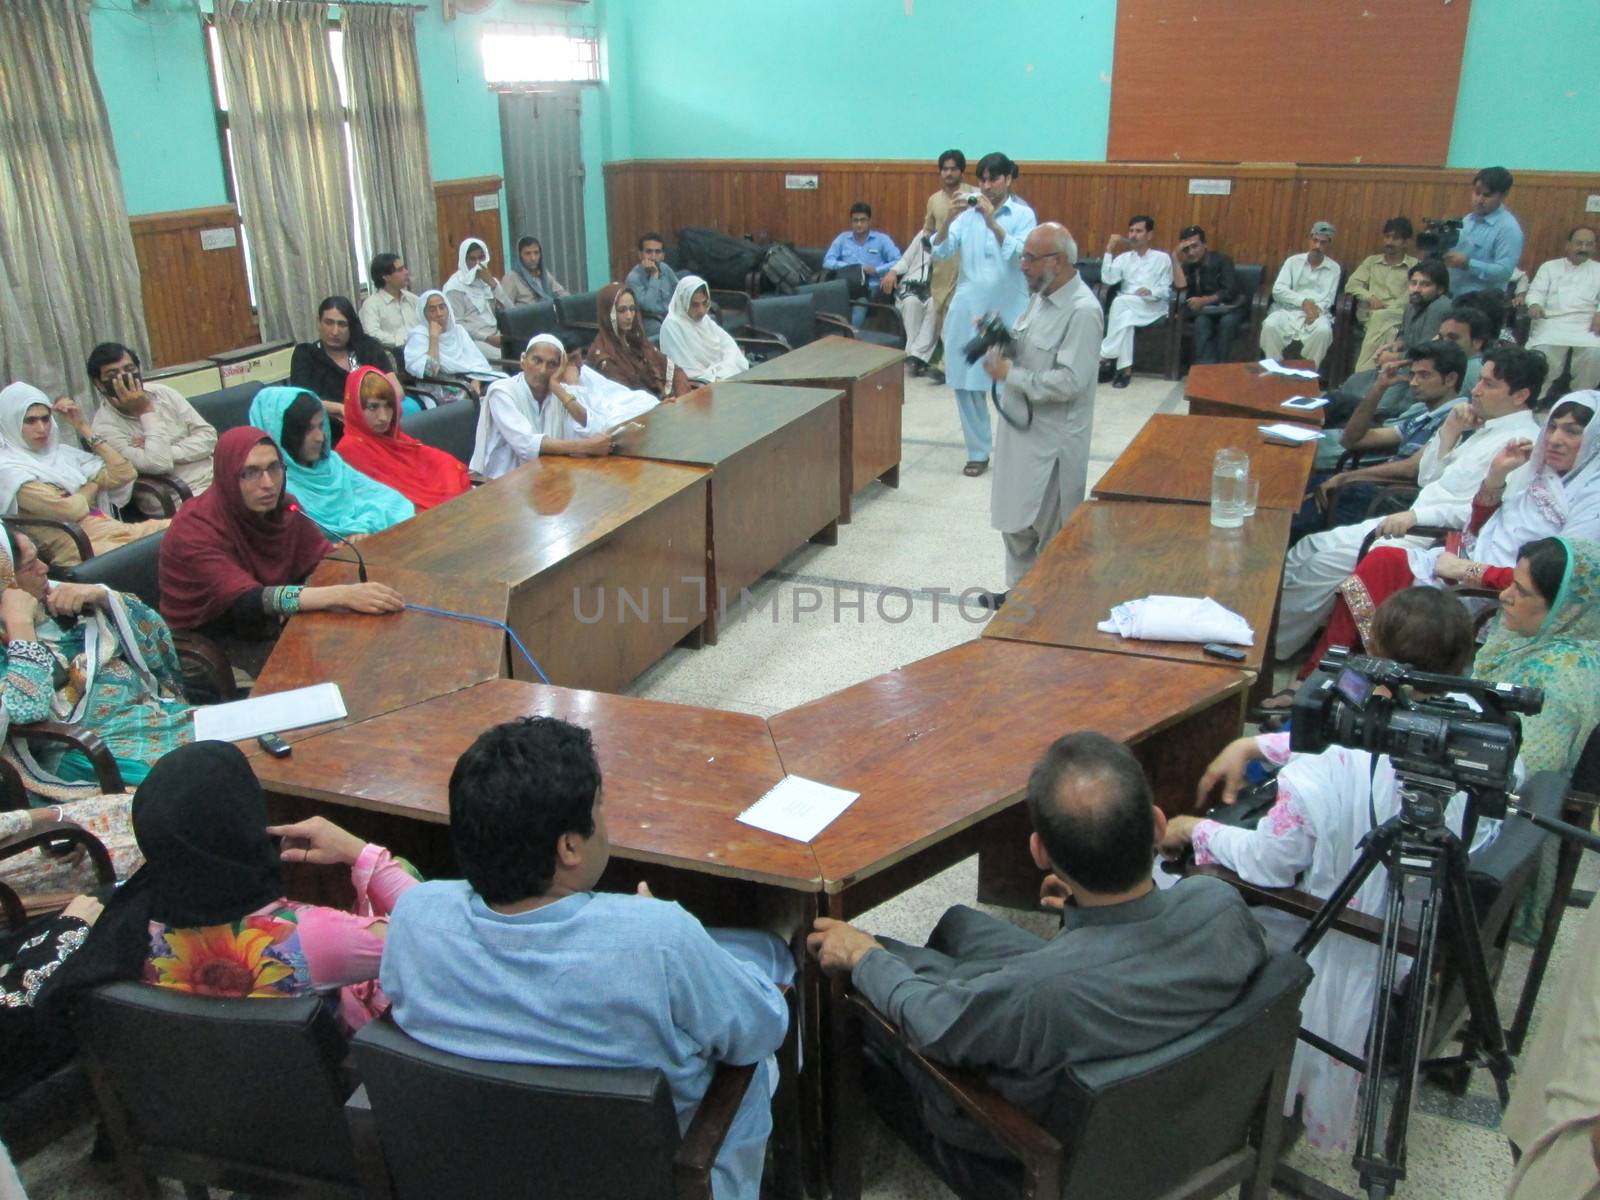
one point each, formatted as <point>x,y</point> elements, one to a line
<point>474,294</point>
<point>40,477</point>
<point>690,338</point>
<point>440,347</point>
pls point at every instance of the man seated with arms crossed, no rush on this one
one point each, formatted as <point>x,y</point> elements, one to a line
<point>534,413</point>
<point>1426,304</point>
<point>862,246</point>
<point>1434,385</point>
<point>149,424</point>
<point>1564,302</point>
<point>653,282</point>
<point>1379,288</point>
<point>1206,279</point>
<point>1303,297</point>
<point>1132,968</point>
<point>391,310</point>
<point>524,962</point>
<point>1143,279</point>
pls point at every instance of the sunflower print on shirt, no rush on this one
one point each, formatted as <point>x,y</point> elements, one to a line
<point>259,956</point>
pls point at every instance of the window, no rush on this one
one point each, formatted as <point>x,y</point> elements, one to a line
<point>359,230</point>
<point>516,56</point>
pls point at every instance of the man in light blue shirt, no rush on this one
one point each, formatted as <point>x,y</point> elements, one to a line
<point>988,232</point>
<point>652,282</point>
<point>524,962</point>
<point>862,246</point>
<point>1491,239</point>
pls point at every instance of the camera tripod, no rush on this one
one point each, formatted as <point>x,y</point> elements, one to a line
<point>1420,855</point>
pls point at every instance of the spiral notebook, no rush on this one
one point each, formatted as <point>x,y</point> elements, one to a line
<point>798,808</point>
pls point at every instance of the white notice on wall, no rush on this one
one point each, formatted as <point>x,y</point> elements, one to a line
<point>801,183</point>
<point>1210,187</point>
<point>486,203</point>
<point>219,239</point>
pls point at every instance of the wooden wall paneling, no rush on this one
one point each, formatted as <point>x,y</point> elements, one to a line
<point>1267,214</point>
<point>196,301</point>
<point>458,220</point>
<point>1343,87</point>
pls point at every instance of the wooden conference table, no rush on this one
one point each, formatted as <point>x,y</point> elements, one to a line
<point>1245,390</point>
<point>1170,459</point>
<point>774,455</point>
<point>874,383</point>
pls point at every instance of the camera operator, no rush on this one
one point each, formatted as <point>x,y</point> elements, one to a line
<point>1047,406</point>
<point>1326,804</point>
<point>1490,242</point>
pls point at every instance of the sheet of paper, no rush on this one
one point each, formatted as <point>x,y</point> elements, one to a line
<point>1277,368</point>
<point>798,808</point>
<point>269,714</point>
<point>1306,403</point>
<point>1284,431</point>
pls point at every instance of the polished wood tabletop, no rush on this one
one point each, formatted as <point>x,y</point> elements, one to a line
<point>674,777</point>
<point>1245,390</point>
<point>1170,459</point>
<point>382,663</point>
<point>938,745</point>
<point>1110,552</point>
<point>832,358</point>
<point>717,421</point>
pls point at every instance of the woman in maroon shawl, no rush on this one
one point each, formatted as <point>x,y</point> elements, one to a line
<point>374,445</point>
<point>233,560</point>
<point>620,351</point>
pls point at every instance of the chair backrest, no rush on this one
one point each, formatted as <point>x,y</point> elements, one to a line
<point>793,317</point>
<point>832,297</point>
<point>450,427</point>
<point>132,568</point>
<point>1248,277</point>
<point>1089,268</point>
<point>452,1126</point>
<point>252,1083</point>
<point>1207,1088</point>
<point>1586,775</point>
<point>520,324</point>
<point>582,308</point>
<point>228,408</point>
<point>812,256</point>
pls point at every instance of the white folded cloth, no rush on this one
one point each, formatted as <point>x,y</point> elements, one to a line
<point>1179,619</point>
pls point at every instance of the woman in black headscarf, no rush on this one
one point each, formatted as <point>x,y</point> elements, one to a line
<point>207,913</point>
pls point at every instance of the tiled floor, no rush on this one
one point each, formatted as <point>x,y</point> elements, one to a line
<point>832,616</point>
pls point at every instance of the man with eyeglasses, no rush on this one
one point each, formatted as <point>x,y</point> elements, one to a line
<point>149,424</point>
<point>1041,449</point>
<point>653,282</point>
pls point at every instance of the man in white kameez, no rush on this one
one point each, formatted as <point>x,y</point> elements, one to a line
<point>534,413</point>
<point>1047,408</point>
<point>1564,302</point>
<point>1302,300</point>
<point>1453,466</point>
<point>910,283</point>
<point>1143,278</point>
<point>988,235</point>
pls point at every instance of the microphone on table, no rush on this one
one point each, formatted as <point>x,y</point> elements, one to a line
<point>361,563</point>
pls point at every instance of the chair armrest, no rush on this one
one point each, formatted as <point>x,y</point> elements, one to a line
<point>760,348</point>
<point>837,325</point>
<point>210,659</point>
<point>730,298</point>
<point>11,907</point>
<point>1014,1129</point>
<point>163,490</point>
<point>1302,904</point>
<point>45,832</point>
<point>371,1167</point>
<point>691,1166</point>
<point>106,771</point>
<point>71,528</point>
<point>13,793</point>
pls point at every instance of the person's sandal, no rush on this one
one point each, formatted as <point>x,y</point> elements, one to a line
<point>974,469</point>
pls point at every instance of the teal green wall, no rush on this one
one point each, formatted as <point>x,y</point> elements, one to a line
<point>1530,88</point>
<point>862,79</point>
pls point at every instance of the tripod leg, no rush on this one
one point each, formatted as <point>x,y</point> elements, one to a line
<point>1485,1015</point>
<point>1567,855</point>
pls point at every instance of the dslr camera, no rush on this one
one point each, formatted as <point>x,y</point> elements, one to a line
<point>1438,236</point>
<point>992,334</point>
<point>1469,741</point>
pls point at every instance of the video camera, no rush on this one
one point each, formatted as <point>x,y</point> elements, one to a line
<point>1438,236</point>
<point>992,334</point>
<point>1471,746</point>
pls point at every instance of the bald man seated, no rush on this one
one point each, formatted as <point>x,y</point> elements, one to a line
<point>1132,968</point>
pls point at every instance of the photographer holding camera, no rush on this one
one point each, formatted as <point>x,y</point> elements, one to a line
<point>1049,371</point>
<point>1326,804</point>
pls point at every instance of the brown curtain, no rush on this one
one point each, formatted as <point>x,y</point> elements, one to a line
<point>289,155</point>
<point>390,134</point>
<point>68,275</point>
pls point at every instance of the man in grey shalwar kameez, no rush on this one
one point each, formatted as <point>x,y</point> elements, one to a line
<point>1041,468</point>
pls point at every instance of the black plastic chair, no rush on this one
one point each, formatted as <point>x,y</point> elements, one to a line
<point>452,428</point>
<point>883,326</point>
<point>452,1126</point>
<point>579,310</point>
<point>520,325</point>
<point>793,319</point>
<point>228,408</point>
<point>238,1094</point>
<point>1219,1092</point>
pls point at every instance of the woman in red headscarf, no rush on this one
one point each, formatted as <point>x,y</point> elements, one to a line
<point>374,445</point>
<point>234,558</point>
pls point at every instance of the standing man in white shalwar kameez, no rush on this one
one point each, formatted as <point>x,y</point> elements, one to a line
<point>535,413</point>
<point>988,234</point>
<point>1047,408</point>
<point>1143,278</point>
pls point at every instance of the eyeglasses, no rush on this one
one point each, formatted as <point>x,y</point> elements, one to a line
<point>1033,258</point>
<point>252,474</point>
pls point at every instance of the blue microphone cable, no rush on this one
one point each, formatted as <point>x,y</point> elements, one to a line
<point>509,632</point>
